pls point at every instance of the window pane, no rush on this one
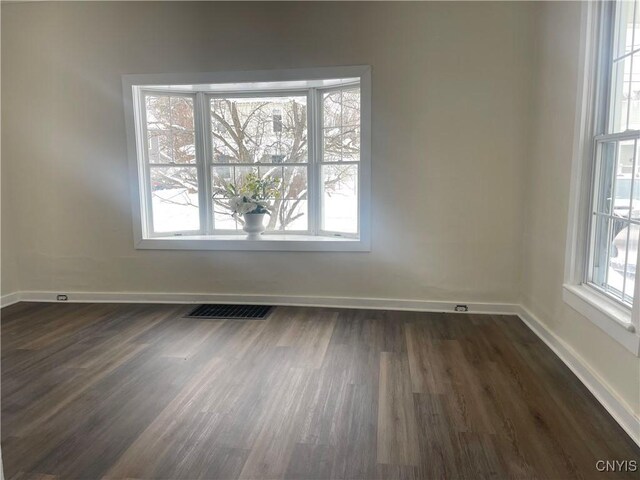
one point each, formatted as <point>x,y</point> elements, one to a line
<point>634,95</point>
<point>604,232</point>
<point>294,183</point>
<point>616,257</point>
<point>184,148</point>
<point>341,144</point>
<point>351,144</point>
<point>158,112</point>
<point>599,254</point>
<point>608,155</point>
<point>259,129</point>
<point>170,129</point>
<point>174,196</point>
<point>332,144</point>
<point>625,75</point>
<point>222,218</point>
<point>340,198</point>
<point>169,113</point>
<point>182,114</point>
<point>289,209</point>
<point>615,175</point>
<point>631,260</point>
<point>351,106</point>
<point>222,176</point>
<point>271,172</point>
<point>624,28</point>
<point>160,147</point>
<point>332,109</point>
<point>341,107</point>
<point>636,27</point>
<point>341,125</point>
<point>620,84</point>
<point>171,148</point>
<point>290,215</point>
<point>615,239</point>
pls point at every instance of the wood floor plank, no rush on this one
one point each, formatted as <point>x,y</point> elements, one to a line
<point>310,462</point>
<point>309,335</point>
<point>397,434</point>
<point>272,450</point>
<point>425,364</point>
<point>139,391</point>
<point>159,437</point>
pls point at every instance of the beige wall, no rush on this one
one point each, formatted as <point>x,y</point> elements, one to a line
<point>547,180</point>
<point>8,280</point>
<point>450,111</point>
<point>8,262</point>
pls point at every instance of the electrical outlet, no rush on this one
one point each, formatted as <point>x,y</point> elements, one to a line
<point>62,298</point>
<point>461,308</point>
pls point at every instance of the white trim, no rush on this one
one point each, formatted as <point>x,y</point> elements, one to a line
<point>10,299</point>
<point>249,76</point>
<point>270,242</point>
<point>209,210</point>
<point>581,162</point>
<point>609,316</point>
<point>134,87</point>
<point>585,297</point>
<point>621,412</point>
<point>285,300</point>
<point>617,408</point>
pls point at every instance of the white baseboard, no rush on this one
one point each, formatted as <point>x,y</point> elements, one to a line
<point>617,408</point>
<point>288,300</point>
<point>9,299</point>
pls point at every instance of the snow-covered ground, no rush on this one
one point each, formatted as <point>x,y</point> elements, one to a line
<point>340,211</point>
<point>615,280</point>
<point>175,210</point>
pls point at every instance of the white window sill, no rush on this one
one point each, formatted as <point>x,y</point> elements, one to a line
<point>282,243</point>
<point>610,317</point>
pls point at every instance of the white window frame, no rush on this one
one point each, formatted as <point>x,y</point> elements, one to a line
<point>145,166</point>
<point>319,153</point>
<point>311,180</point>
<point>310,81</point>
<point>613,317</point>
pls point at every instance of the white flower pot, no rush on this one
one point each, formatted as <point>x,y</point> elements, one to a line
<point>254,225</point>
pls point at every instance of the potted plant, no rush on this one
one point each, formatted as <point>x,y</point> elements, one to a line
<point>250,201</point>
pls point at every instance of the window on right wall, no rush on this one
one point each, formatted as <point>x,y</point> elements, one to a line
<point>601,275</point>
<point>614,220</point>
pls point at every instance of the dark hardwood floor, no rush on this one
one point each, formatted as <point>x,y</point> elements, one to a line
<point>97,391</point>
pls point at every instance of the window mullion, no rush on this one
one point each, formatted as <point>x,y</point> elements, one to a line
<point>635,310</point>
<point>314,134</point>
<point>147,215</point>
<point>618,137</point>
<point>202,162</point>
<point>208,159</point>
<point>626,255</point>
<point>603,108</point>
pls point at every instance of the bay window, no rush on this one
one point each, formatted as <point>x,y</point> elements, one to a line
<point>308,130</point>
